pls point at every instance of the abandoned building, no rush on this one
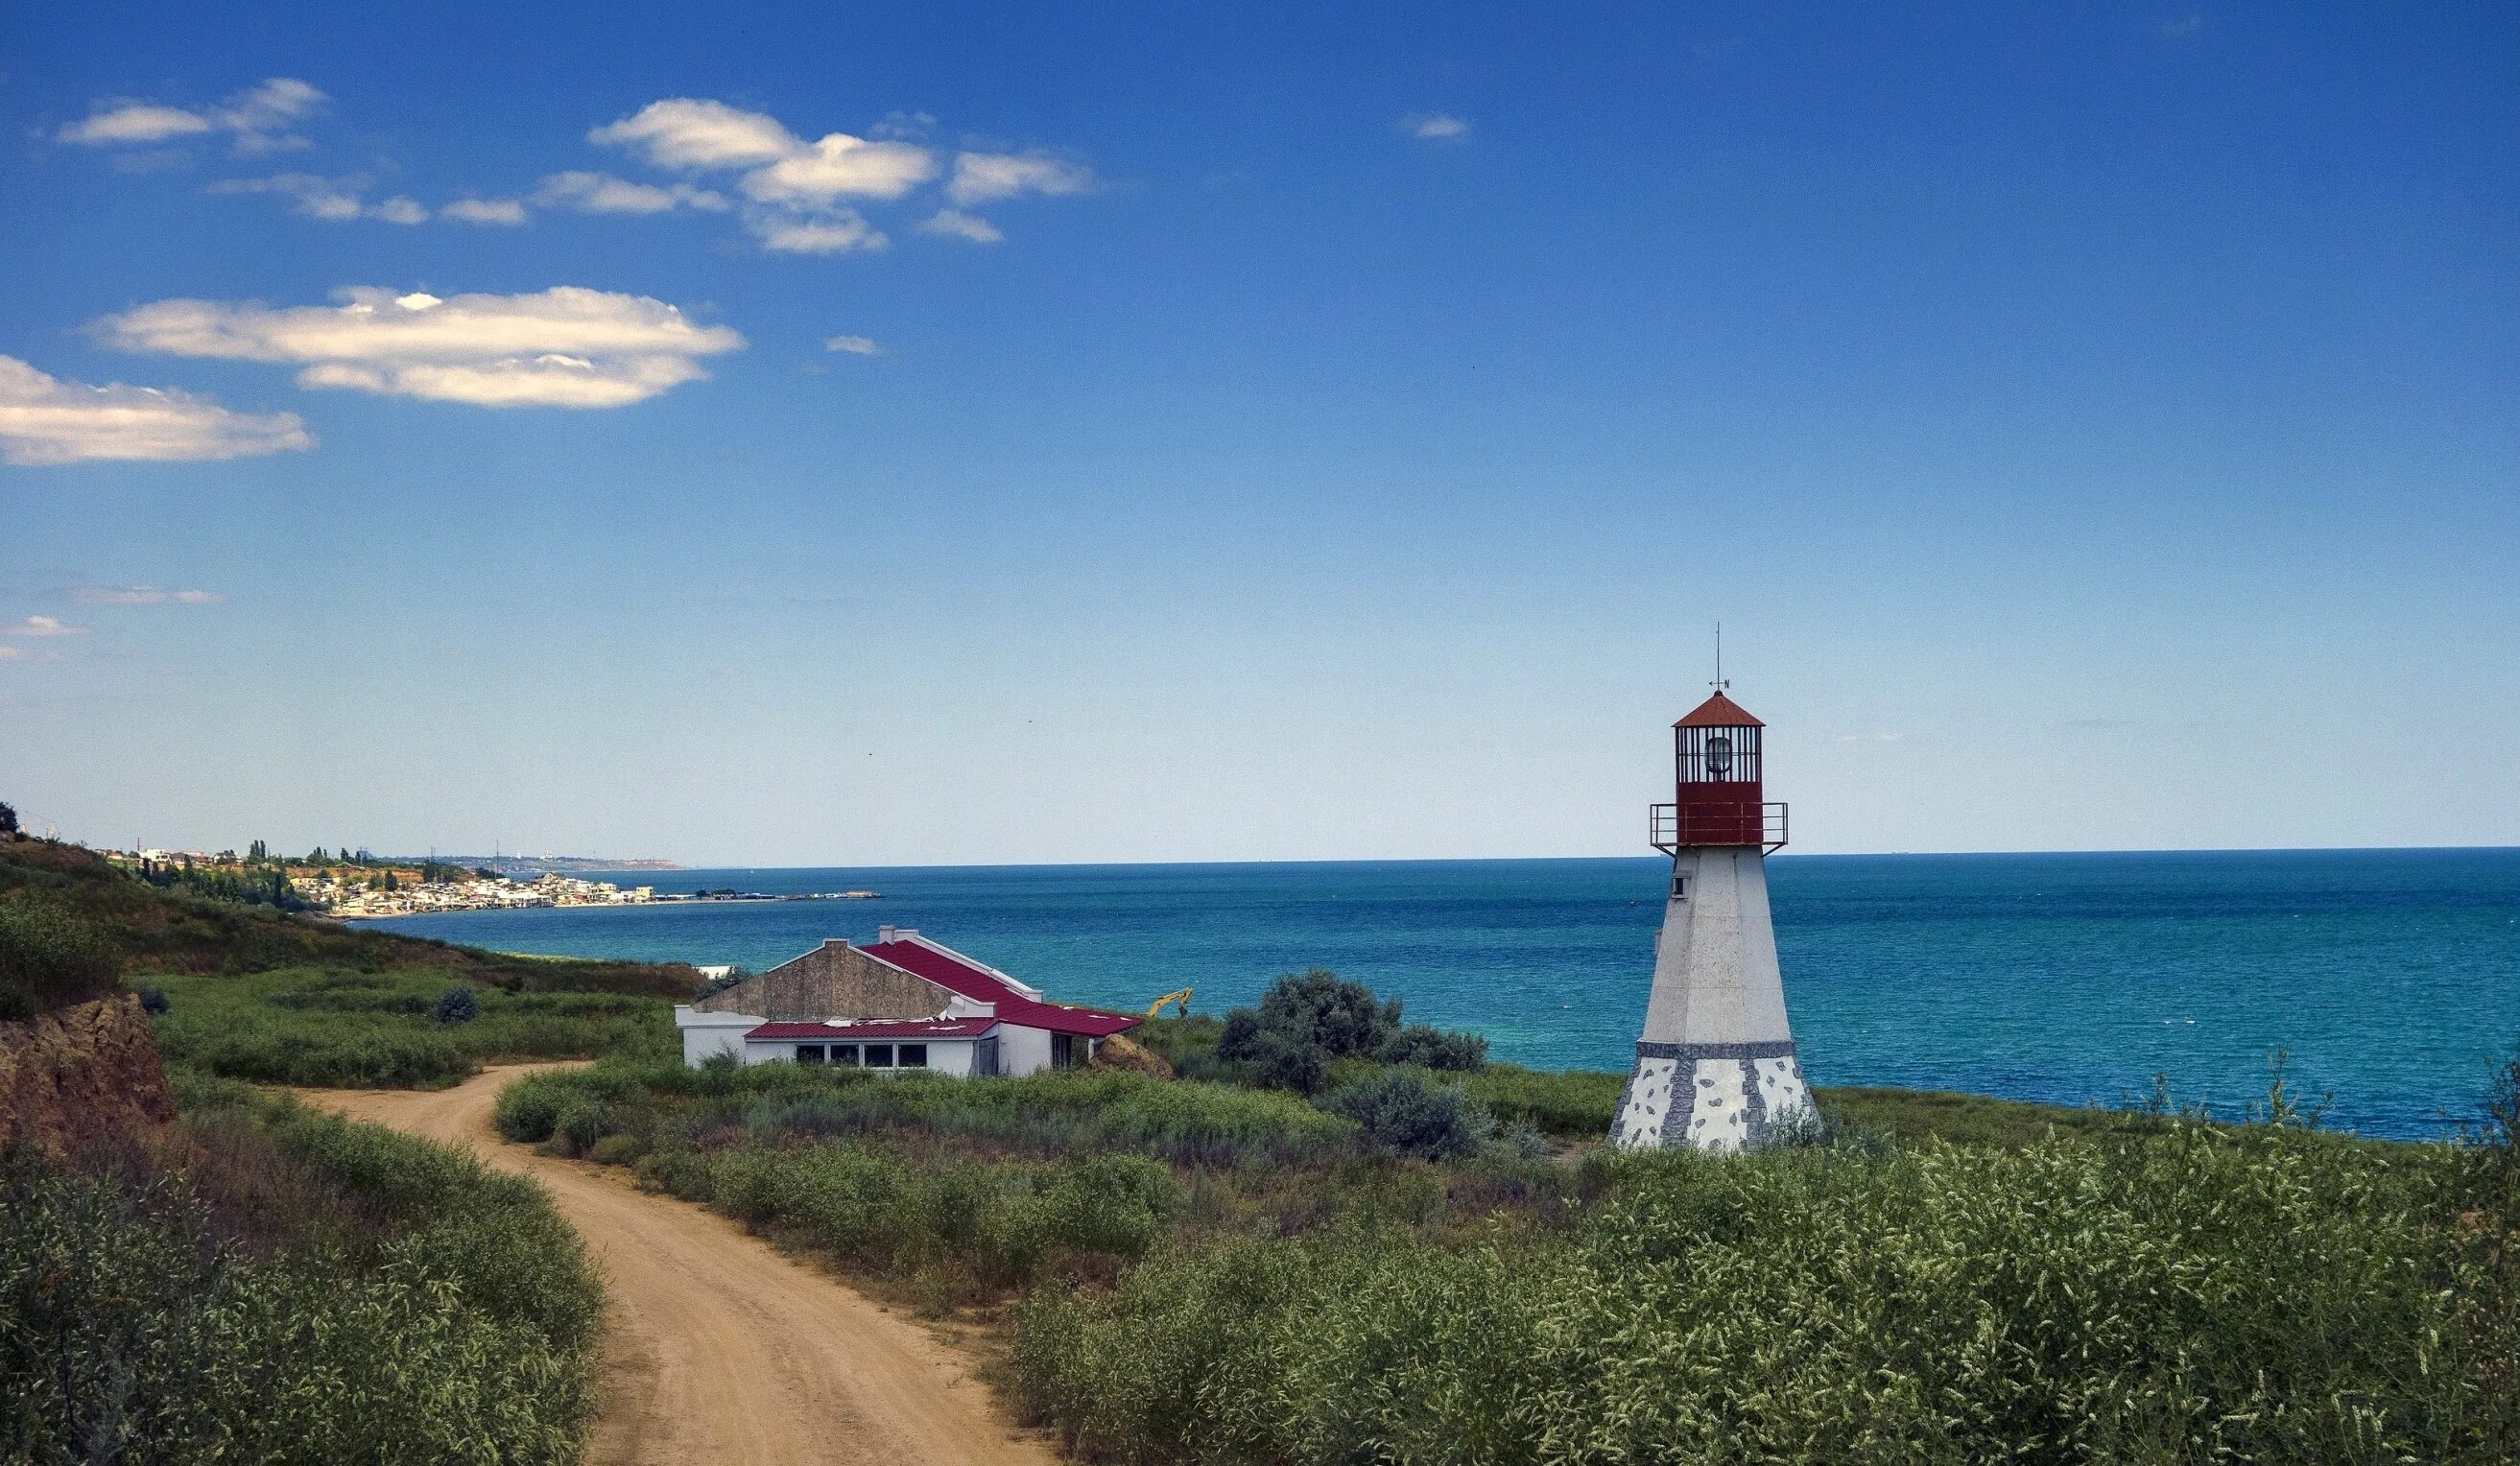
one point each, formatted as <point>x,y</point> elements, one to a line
<point>904,1002</point>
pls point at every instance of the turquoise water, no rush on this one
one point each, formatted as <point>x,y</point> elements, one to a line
<point>2391,977</point>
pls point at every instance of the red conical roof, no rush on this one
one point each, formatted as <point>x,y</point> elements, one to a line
<point>1720,711</point>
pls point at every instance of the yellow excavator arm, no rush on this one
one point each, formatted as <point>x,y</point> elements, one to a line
<point>1179,998</point>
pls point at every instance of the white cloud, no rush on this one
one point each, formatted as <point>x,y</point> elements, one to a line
<point>1435,127</point>
<point>333,199</point>
<point>256,119</point>
<point>567,346</point>
<point>42,626</point>
<point>853,346</point>
<point>979,177</point>
<point>46,421</point>
<point>835,233</point>
<point>956,224</point>
<point>603,194</point>
<point>484,210</point>
<point>142,596</point>
<point>841,167</point>
<point>134,122</point>
<point>10,654</point>
<point>690,132</point>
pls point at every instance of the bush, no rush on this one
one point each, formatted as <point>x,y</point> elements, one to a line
<point>456,1005</point>
<point>394,1303</point>
<point>153,999</point>
<point>1406,1112</point>
<point>1430,1048</point>
<point>52,954</point>
<point>1305,1023</point>
<point>2264,1294</point>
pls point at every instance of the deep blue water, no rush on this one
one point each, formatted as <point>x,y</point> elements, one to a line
<point>2391,977</point>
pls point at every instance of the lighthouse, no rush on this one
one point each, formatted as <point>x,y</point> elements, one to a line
<point>1716,1069</point>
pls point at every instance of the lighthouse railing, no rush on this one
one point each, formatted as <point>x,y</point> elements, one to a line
<point>1671,826</point>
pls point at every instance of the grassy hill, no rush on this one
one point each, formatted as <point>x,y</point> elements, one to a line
<point>251,993</point>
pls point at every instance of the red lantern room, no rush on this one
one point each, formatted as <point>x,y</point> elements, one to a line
<point>1716,795</point>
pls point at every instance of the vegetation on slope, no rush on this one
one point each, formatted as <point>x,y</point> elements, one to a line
<point>265,1283</point>
<point>1936,1278</point>
<point>400,1029</point>
<point>147,931</point>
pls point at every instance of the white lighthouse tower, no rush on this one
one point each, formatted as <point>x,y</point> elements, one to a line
<point>1716,1069</point>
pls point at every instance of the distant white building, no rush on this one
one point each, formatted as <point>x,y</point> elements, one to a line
<point>904,1002</point>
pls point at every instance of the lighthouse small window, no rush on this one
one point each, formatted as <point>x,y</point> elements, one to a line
<point>1679,886</point>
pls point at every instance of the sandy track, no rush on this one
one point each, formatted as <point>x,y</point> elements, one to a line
<point>719,1349</point>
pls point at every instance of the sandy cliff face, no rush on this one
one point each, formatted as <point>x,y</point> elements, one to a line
<point>81,1072</point>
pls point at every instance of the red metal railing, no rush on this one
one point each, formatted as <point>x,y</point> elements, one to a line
<point>1673,826</point>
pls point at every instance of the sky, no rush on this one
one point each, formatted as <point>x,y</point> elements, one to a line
<point>824,435</point>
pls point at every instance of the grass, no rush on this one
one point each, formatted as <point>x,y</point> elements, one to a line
<point>149,932</point>
<point>1205,1272</point>
<point>265,1283</point>
<point>330,1027</point>
<point>2199,1294</point>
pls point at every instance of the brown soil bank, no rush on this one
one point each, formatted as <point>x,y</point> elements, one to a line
<point>721,1349</point>
<point>81,1072</point>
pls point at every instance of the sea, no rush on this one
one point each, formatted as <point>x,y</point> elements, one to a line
<point>2384,985</point>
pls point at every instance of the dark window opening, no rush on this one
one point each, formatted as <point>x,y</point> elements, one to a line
<point>879,1057</point>
<point>1062,1050</point>
<point>845,1054</point>
<point>809,1054</point>
<point>913,1056</point>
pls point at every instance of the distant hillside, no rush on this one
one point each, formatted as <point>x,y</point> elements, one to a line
<point>69,920</point>
<point>548,865</point>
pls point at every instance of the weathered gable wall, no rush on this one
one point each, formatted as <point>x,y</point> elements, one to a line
<point>832,981</point>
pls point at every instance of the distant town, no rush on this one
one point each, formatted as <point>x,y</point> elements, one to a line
<point>355,885</point>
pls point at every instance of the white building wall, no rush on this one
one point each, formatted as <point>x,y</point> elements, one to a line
<point>706,1035</point>
<point>1022,1050</point>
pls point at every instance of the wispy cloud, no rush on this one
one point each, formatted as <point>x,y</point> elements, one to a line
<point>1435,127</point>
<point>506,212</point>
<point>1870,737</point>
<point>805,197</point>
<point>853,346</point>
<point>256,120</point>
<point>142,596</point>
<point>589,193</point>
<point>335,199</point>
<point>567,346</point>
<point>42,626</point>
<point>44,419</point>
<point>954,223</point>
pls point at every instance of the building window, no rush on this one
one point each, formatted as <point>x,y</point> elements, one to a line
<point>914,1056</point>
<point>1062,1051</point>
<point>809,1054</point>
<point>845,1055</point>
<point>879,1057</point>
<point>1679,886</point>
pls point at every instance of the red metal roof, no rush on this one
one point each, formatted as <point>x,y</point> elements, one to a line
<point>884,1028</point>
<point>1720,711</point>
<point>950,969</point>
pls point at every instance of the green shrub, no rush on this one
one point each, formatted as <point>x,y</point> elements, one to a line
<point>396,1304</point>
<point>52,954</point>
<point>354,1029</point>
<point>2201,1295</point>
<point>457,1005</point>
<point>1426,1047</point>
<point>1308,1021</point>
<point>1403,1111</point>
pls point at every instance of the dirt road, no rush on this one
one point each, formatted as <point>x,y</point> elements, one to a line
<point>720,1350</point>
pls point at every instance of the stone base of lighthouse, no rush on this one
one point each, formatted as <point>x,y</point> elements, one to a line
<point>1720,1097</point>
<point>1716,1069</point>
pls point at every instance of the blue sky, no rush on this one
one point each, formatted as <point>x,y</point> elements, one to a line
<point>1316,432</point>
